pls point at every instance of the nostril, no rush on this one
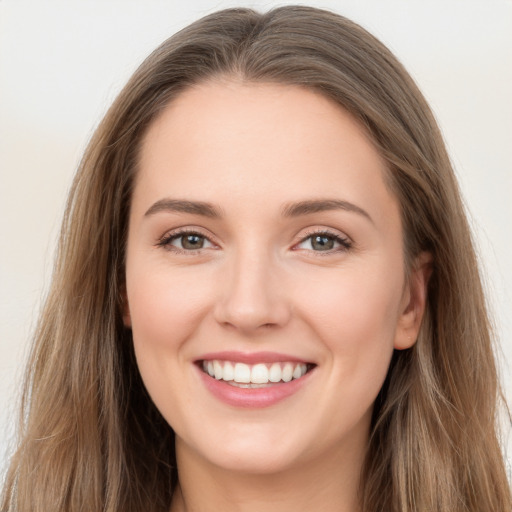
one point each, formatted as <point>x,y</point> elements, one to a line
<point>250,302</point>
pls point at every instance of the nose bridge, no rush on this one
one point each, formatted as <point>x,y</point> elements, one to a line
<point>252,293</point>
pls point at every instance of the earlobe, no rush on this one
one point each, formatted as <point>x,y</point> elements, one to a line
<point>414,303</point>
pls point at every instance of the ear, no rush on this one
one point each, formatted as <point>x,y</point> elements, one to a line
<point>125,307</point>
<point>413,302</point>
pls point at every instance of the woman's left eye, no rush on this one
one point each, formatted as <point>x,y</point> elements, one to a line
<point>324,242</point>
<point>186,241</point>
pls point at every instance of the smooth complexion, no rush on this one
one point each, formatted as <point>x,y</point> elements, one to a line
<point>261,225</point>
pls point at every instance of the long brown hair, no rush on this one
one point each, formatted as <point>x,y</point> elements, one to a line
<point>90,437</point>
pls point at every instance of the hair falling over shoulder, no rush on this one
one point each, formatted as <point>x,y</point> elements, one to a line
<point>90,438</point>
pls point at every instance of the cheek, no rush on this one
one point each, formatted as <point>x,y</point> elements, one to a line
<point>164,308</point>
<point>166,305</point>
<point>353,307</point>
<point>163,304</point>
<point>355,315</point>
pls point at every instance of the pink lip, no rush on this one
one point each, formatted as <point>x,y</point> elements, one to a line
<point>252,358</point>
<point>251,397</point>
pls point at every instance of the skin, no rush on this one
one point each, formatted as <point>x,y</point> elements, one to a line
<point>259,284</point>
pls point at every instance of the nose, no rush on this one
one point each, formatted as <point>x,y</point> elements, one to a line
<point>252,295</point>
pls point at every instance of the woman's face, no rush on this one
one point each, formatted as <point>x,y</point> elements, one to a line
<point>264,246</point>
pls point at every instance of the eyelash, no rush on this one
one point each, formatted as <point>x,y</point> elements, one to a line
<point>165,241</point>
<point>345,243</point>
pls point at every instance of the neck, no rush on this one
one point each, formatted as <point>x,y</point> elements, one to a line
<point>329,484</point>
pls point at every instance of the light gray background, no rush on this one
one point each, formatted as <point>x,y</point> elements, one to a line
<point>62,63</point>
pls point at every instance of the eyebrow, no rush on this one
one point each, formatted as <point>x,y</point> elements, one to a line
<point>179,205</point>
<point>289,210</point>
<point>322,205</point>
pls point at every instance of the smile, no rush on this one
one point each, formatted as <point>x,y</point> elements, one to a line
<point>255,375</point>
<point>253,380</point>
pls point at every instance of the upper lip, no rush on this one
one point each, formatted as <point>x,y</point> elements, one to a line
<point>252,357</point>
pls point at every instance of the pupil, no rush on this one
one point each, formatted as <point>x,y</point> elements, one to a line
<point>322,243</point>
<point>192,242</point>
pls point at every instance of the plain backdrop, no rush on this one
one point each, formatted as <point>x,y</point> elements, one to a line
<point>62,64</point>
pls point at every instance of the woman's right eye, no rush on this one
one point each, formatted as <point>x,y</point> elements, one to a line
<point>185,242</point>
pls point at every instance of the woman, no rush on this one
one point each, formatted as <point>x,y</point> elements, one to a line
<point>266,294</point>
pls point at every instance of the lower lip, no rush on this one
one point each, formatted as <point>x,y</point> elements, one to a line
<point>252,397</point>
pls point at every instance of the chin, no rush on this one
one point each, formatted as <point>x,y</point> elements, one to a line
<point>249,453</point>
<point>255,462</point>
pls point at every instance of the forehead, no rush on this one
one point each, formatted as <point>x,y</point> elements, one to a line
<point>258,142</point>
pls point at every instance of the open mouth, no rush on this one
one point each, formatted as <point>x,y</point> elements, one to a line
<point>258,375</point>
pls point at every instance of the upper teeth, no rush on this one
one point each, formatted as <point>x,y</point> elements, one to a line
<point>260,373</point>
